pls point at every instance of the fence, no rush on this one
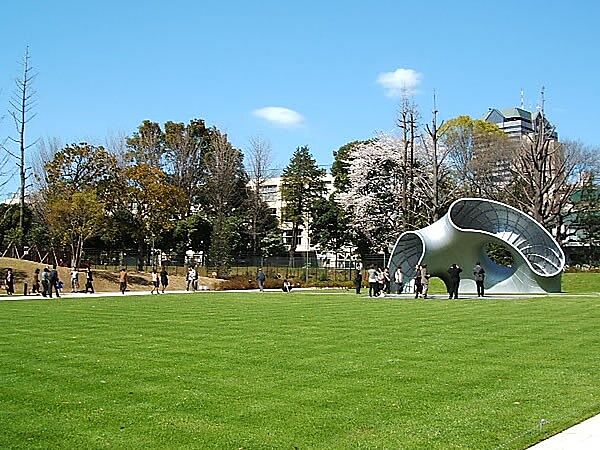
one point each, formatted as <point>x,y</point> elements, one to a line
<point>304,266</point>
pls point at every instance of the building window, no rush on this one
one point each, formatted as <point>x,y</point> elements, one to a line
<point>287,237</point>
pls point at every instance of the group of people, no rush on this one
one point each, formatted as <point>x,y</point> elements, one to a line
<point>47,282</point>
<point>160,280</point>
<point>454,279</point>
<point>422,277</point>
<point>89,280</point>
<point>380,282</point>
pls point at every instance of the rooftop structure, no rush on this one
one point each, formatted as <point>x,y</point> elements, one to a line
<point>518,122</point>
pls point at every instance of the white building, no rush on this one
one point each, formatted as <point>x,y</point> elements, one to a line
<point>271,195</point>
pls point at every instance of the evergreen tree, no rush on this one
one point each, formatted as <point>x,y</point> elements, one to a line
<point>301,185</point>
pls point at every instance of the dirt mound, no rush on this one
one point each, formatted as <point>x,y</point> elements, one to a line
<point>104,280</point>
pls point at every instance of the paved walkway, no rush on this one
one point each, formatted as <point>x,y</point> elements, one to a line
<point>583,436</point>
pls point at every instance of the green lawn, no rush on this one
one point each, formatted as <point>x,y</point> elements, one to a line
<point>305,370</point>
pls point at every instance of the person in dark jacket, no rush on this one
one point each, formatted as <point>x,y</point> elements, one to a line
<point>418,281</point>
<point>164,279</point>
<point>89,281</point>
<point>358,281</point>
<point>261,278</point>
<point>53,283</point>
<point>35,289</point>
<point>479,276</point>
<point>454,272</point>
<point>45,282</point>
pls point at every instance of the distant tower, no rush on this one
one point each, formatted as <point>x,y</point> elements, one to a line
<point>522,99</point>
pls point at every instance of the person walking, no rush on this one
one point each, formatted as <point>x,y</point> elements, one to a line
<point>155,282</point>
<point>380,282</point>
<point>35,289</point>
<point>123,280</point>
<point>373,284</point>
<point>261,278</point>
<point>479,276</point>
<point>399,280</point>
<point>454,272</point>
<point>9,281</point>
<point>54,281</point>
<point>188,279</point>
<point>164,279</point>
<point>194,279</point>
<point>358,281</point>
<point>89,281</point>
<point>74,280</point>
<point>418,281</point>
<point>424,280</point>
<point>46,282</point>
<point>387,281</point>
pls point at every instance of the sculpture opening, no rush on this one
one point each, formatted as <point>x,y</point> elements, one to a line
<point>500,254</point>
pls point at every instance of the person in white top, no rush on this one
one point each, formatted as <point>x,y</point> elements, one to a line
<point>155,282</point>
<point>399,280</point>
<point>373,285</point>
<point>74,280</point>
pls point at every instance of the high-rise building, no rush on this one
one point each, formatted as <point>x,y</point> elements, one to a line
<point>518,122</point>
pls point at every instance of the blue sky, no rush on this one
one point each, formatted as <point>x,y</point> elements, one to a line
<point>104,66</point>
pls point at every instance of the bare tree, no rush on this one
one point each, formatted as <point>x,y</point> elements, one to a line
<point>407,121</point>
<point>225,174</point>
<point>259,159</point>
<point>545,174</point>
<point>21,107</point>
<point>116,143</point>
<point>46,149</point>
<point>435,183</point>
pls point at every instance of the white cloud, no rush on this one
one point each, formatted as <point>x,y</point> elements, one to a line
<point>278,115</point>
<point>399,81</point>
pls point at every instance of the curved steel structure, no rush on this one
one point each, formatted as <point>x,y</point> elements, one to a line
<point>461,236</point>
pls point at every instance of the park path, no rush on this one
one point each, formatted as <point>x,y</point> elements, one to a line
<point>583,436</point>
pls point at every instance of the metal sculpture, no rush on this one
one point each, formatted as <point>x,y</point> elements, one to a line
<point>461,237</point>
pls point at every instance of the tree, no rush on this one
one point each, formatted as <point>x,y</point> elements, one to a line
<point>224,192</point>
<point>479,154</point>
<point>544,175</point>
<point>258,168</point>
<point>21,107</point>
<point>80,185</point>
<point>330,227</point>
<point>155,205</point>
<point>407,122</point>
<point>434,180</point>
<point>185,147</point>
<point>341,165</point>
<point>587,218</point>
<point>301,185</point>
<point>376,182</point>
<point>340,170</point>
<point>374,198</point>
<point>146,146</point>
<point>82,166</point>
<point>75,219</point>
